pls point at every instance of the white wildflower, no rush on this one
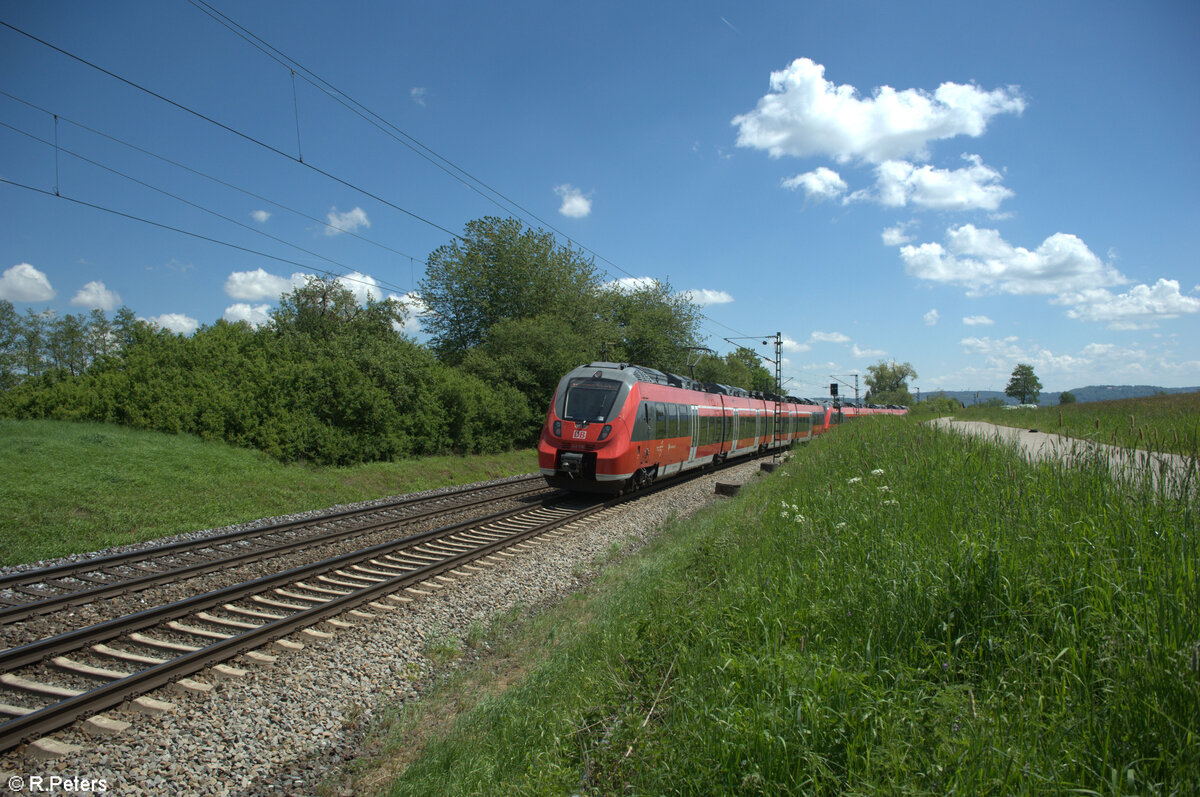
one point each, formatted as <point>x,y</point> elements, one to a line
<point>841,525</point>
<point>891,502</point>
<point>855,480</point>
<point>877,472</point>
<point>885,489</point>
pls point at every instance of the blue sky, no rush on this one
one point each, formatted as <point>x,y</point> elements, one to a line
<point>959,186</point>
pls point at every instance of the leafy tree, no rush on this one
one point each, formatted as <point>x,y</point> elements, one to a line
<point>649,325</point>
<point>501,270</point>
<point>1024,385</point>
<point>10,341</point>
<point>741,367</point>
<point>887,383</point>
<point>1066,397</point>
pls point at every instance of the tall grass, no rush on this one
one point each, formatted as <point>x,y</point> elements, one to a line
<point>900,610</point>
<point>74,487</point>
<point>1169,423</point>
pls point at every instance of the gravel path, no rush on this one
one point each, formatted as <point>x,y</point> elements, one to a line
<point>1170,471</point>
<point>285,727</point>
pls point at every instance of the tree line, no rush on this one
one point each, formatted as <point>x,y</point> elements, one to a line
<point>327,380</point>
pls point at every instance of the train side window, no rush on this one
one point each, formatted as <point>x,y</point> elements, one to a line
<point>660,421</point>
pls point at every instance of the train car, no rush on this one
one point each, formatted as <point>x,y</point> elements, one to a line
<point>612,427</point>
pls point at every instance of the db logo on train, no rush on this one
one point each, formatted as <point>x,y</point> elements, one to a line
<point>579,434</point>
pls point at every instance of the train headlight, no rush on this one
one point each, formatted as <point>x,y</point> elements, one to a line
<point>558,428</point>
<point>605,431</point>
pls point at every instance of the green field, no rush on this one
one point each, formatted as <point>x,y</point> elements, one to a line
<point>75,487</point>
<point>1168,423</point>
<point>899,610</point>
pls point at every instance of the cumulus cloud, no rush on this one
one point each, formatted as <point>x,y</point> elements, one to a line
<point>362,286</point>
<point>417,93</point>
<point>260,284</point>
<point>787,344</point>
<point>96,296</point>
<point>977,321</point>
<point>805,115</point>
<point>983,262</point>
<point>350,221</point>
<point>1141,307</point>
<point>703,297</point>
<point>255,315</point>
<point>896,236</point>
<point>858,351</point>
<point>975,187</point>
<point>829,337</point>
<point>931,318</point>
<point>414,308</point>
<point>821,184</point>
<point>261,216</point>
<point>24,283</point>
<point>574,203</point>
<point>1062,267</point>
<point>175,322</point>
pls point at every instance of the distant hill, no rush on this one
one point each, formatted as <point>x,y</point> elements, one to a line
<point>1082,394</point>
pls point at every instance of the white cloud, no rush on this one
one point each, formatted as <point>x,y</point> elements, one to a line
<point>261,216</point>
<point>96,296</point>
<point>983,262</point>
<point>896,236</point>
<point>857,351</point>
<point>255,315</point>
<point>24,283</point>
<point>821,184</point>
<point>704,297</point>
<point>829,337</point>
<point>176,322</point>
<point>977,321</point>
<point>975,187</point>
<point>261,284</point>
<point>805,115</point>
<point>418,95</point>
<point>574,204</point>
<point>350,221</point>
<point>416,308</point>
<point>1142,306</point>
<point>362,286</point>
<point>932,317</point>
<point>791,345</point>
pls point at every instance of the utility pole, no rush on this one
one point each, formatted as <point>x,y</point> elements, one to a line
<point>777,420</point>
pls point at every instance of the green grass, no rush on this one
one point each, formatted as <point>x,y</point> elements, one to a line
<point>980,626</point>
<point>71,487</point>
<point>1169,423</point>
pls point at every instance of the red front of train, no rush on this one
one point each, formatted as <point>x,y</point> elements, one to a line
<point>612,427</point>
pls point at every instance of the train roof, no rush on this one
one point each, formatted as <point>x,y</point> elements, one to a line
<point>643,374</point>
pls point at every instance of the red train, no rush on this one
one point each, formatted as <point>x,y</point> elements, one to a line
<point>613,427</point>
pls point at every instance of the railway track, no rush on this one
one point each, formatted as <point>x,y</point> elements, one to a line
<point>48,684</point>
<point>77,675</point>
<point>26,594</point>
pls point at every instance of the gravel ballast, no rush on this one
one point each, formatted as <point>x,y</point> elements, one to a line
<point>284,728</point>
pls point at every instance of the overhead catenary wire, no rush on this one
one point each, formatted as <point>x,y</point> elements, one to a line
<point>197,206</point>
<point>333,92</point>
<point>206,176</point>
<point>446,165</point>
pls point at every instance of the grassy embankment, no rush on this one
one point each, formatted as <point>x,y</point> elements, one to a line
<point>1168,423</point>
<point>899,610</point>
<point>72,487</point>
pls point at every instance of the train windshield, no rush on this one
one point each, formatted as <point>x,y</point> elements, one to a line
<point>590,399</point>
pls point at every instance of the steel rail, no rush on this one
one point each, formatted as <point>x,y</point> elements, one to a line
<point>58,715</point>
<point>17,612</point>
